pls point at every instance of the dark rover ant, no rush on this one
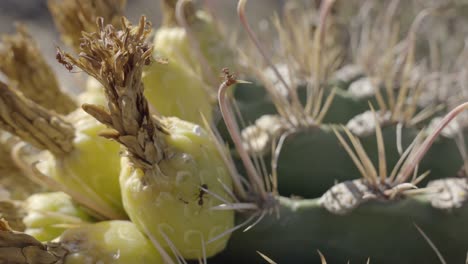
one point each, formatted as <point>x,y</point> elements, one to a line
<point>60,57</point>
<point>202,192</point>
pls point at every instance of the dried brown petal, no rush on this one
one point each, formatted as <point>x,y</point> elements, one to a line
<point>72,17</point>
<point>34,124</point>
<point>20,248</point>
<point>22,62</point>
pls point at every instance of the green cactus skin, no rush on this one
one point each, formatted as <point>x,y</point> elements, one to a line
<point>345,106</point>
<point>443,158</point>
<point>310,162</point>
<point>110,242</point>
<point>49,213</point>
<point>253,102</point>
<point>385,232</point>
<point>307,164</point>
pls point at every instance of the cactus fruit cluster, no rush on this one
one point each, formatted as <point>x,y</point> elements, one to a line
<point>333,132</point>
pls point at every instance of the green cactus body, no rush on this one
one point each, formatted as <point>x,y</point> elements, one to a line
<point>346,75</point>
<point>173,92</point>
<point>307,161</point>
<point>254,102</point>
<point>345,106</point>
<point>50,214</point>
<point>109,242</point>
<point>83,168</point>
<point>381,231</point>
<point>443,158</point>
<point>311,157</point>
<point>169,202</point>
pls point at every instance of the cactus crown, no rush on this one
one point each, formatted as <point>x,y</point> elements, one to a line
<point>387,186</point>
<point>390,63</point>
<point>315,66</point>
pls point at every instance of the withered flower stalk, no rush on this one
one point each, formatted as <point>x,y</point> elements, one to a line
<point>118,65</point>
<point>16,247</point>
<point>23,64</point>
<point>34,124</point>
<point>72,17</point>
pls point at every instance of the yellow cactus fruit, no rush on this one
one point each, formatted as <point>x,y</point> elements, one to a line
<point>49,214</point>
<point>174,201</point>
<point>92,162</point>
<point>174,92</point>
<point>108,242</point>
<point>192,38</point>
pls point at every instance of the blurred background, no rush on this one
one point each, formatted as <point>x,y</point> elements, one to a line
<point>35,14</point>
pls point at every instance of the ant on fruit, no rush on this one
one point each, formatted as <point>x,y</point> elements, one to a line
<point>200,195</point>
<point>203,191</point>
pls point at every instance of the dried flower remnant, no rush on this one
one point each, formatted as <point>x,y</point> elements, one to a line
<point>129,114</point>
<point>13,212</point>
<point>7,141</point>
<point>42,128</point>
<point>16,247</point>
<point>13,183</point>
<point>72,17</point>
<point>24,66</point>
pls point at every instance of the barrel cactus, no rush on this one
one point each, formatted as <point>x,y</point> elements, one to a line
<point>334,131</point>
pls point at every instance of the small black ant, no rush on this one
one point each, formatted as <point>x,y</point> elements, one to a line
<point>60,57</point>
<point>203,189</point>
